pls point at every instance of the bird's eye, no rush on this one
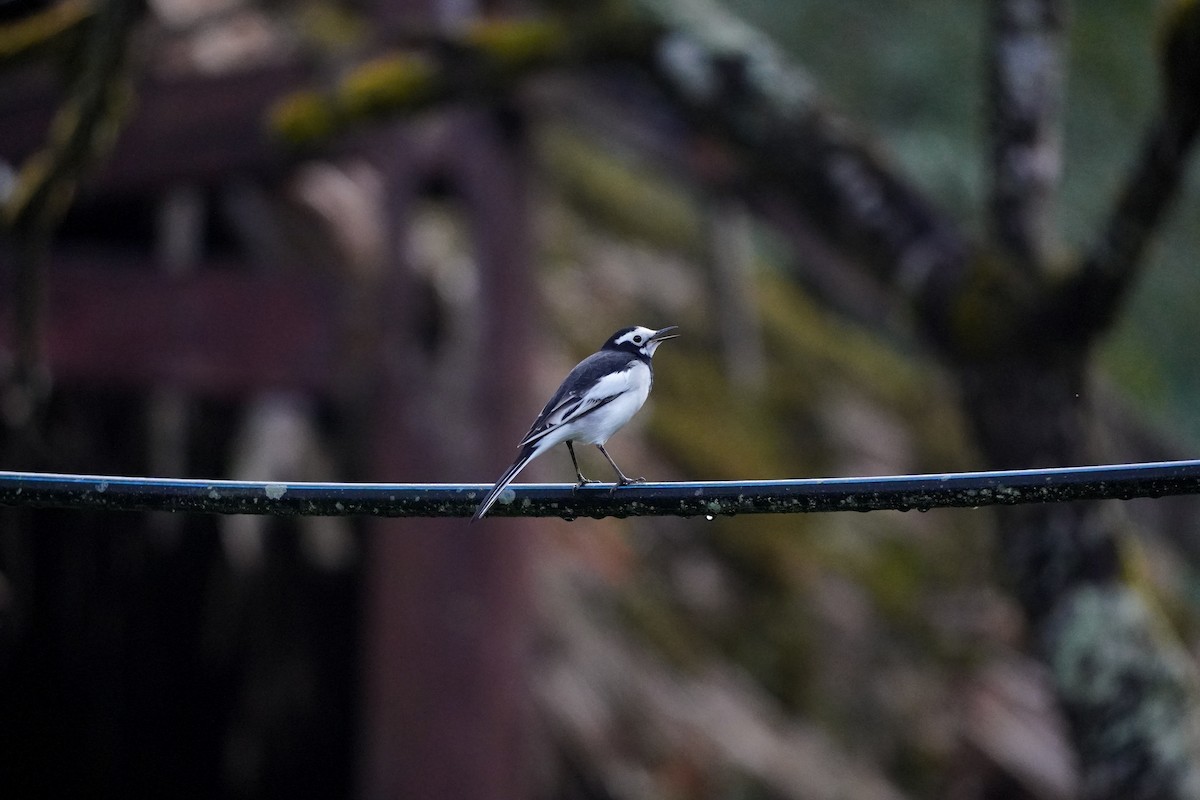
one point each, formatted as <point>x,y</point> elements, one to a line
<point>637,340</point>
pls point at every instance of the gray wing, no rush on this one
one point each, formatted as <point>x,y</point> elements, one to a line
<point>593,383</point>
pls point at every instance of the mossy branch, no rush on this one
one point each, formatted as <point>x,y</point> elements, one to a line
<point>486,59</point>
<point>32,36</point>
<point>82,132</point>
<point>85,126</point>
<point>725,76</point>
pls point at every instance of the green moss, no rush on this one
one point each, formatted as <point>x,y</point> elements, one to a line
<point>777,641</point>
<point>627,197</point>
<point>690,396</point>
<point>517,44</point>
<point>27,37</point>
<point>810,337</point>
<point>984,313</point>
<point>33,175</point>
<point>650,613</point>
<point>387,85</point>
<point>331,26</point>
<point>304,117</point>
<point>812,341</point>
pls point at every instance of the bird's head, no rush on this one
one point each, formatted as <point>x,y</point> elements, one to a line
<point>639,340</point>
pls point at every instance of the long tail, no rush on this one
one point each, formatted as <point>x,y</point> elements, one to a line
<point>528,453</point>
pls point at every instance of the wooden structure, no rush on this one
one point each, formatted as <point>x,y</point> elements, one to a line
<point>439,699</point>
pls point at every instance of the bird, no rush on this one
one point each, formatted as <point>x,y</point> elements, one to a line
<point>595,400</point>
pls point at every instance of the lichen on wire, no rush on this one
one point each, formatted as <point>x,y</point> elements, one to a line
<point>681,498</point>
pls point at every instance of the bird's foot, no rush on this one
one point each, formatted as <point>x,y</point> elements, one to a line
<point>623,481</point>
<point>584,482</point>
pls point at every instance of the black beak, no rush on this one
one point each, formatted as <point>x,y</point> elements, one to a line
<point>664,334</point>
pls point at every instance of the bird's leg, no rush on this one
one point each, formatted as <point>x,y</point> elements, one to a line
<point>582,480</point>
<point>623,480</point>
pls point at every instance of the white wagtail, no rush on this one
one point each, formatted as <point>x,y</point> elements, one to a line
<point>596,399</point>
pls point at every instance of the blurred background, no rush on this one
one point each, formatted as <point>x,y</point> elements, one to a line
<point>310,240</point>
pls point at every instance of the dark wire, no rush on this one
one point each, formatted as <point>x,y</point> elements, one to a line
<point>688,499</point>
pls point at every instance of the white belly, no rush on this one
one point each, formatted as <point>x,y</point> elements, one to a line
<point>596,427</point>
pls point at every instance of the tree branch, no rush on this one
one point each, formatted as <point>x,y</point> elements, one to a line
<point>1025,79</point>
<point>1086,305</point>
<point>732,80</point>
<point>84,129</point>
<point>727,78</point>
<point>43,31</point>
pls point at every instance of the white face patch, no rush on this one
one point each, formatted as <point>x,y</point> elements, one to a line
<point>638,336</point>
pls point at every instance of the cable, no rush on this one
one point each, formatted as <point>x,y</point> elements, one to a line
<point>690,498</point>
